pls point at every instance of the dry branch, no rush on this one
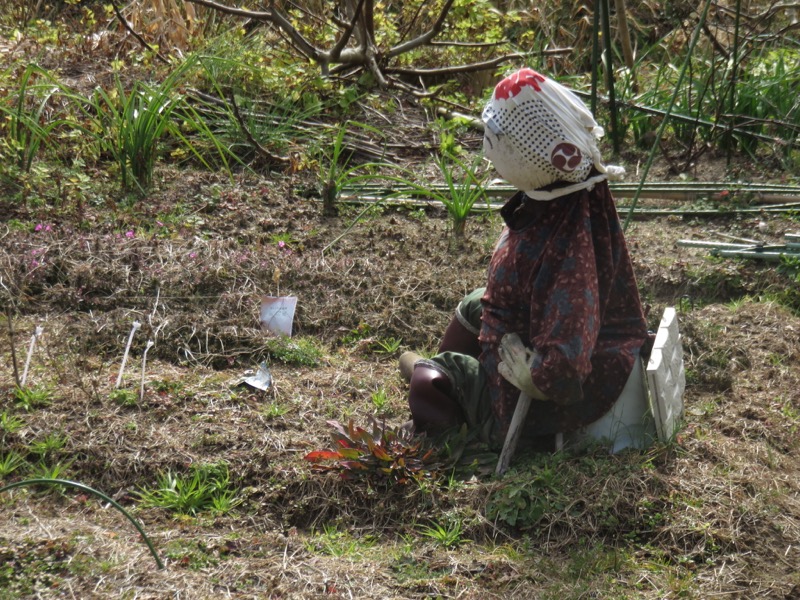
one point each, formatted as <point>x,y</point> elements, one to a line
<point>365,53</point>
<point>126,24</point>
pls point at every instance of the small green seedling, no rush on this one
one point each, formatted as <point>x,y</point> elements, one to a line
<point>10,462</point>
<point>379,399</point>
<point>10,424</point>
<point>30,398</point>
<point>447,535</point>
<point>124,397</point>
<point>389,345</point>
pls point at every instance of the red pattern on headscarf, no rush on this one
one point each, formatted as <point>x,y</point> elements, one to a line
<point>511,85</point>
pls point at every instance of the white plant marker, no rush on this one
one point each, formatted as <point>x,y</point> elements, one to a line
<point>136,326</point>
<point>36,333</point>
<point>150,344</point>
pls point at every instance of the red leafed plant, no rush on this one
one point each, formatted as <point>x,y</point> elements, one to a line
<point>378,453</point>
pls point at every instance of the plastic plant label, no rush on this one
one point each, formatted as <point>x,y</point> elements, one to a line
<point>277,314</point>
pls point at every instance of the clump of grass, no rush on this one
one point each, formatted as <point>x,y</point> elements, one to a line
<point>124,397</point>
<point>294,351</point>
<point>44,470</point>
<point>274,411</point>
<point>10,462</point>
<point>132,122</point>
<point>26,126</point>
<point>379,399</point>
<point>388,345</point>
<point>31,398</point>
<point>463,188</point>
<point>338,172</point>
<point>206,487</point>
<point>10,423</point>
<point>766,95</point>
<point>48,445</point>
<point>447,534</point>
<point>334,542</point>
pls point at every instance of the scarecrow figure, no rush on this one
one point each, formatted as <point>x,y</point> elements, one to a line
<point>560,318</point>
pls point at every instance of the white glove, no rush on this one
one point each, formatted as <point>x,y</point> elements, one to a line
<point>515,365</point>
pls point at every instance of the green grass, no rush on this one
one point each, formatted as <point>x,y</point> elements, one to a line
<point>48,445</point>
<point>131,124</point>
<point>332,541</point>
<point>45,470</point>
<point>27,122</point>
<point>273,411</point>
<point>463,188</point>
<point>447,533</point>
<point>388,346</point>
<point>206,487</point>
<point>10,462</point>
<point>294,351</point>
<point>124,397</point>
<point>31,398</point>
<point>10,423</point>
<point>379,398</point>
<point>337,171</point>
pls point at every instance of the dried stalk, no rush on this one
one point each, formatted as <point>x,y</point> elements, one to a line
<point>11,342</point>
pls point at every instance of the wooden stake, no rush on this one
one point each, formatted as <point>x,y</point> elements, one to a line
<point>625,40</point>
<point>514,431</point>
<point>11,341</point>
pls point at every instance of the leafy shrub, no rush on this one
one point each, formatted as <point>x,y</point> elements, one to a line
<point>524,501</point>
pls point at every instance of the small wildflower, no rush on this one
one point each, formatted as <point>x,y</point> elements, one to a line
<point>130,234</point>
<point>38,227</point>
<point>192,254</point>
<point>281,244</point>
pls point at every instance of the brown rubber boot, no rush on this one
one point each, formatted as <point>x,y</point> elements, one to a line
<point>429,398</point>
<point>407,360</point>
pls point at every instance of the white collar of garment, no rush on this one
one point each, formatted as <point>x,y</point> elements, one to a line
<point>558,192</point>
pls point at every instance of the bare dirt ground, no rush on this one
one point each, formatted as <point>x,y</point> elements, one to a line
<point>715,513</point>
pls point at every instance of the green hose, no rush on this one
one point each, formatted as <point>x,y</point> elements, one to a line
<point>101,495</point>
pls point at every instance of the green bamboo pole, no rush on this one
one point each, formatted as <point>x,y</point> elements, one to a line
<point>609,68</point>
<point>595,56</point>
<point>101,495</point>
<point>734,77</point>
<point>660,131</point>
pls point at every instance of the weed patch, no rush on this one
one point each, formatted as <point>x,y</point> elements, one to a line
<point>204,488</point>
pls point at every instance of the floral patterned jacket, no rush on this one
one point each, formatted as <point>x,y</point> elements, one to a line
<point>561,277</point>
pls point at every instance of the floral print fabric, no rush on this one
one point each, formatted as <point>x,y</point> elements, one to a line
<point>561,277</point>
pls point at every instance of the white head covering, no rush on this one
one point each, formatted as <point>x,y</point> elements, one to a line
<point>537,132</point>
